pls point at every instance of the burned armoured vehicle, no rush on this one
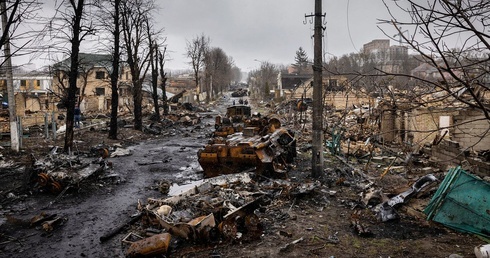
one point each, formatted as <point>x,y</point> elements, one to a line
<point>239,93</point>
<point>234,121</point>
<point>58,171</point>
<point>263,145</point>
<point>238,113</point>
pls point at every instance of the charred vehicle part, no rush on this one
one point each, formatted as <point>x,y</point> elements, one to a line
<point>263,145</point>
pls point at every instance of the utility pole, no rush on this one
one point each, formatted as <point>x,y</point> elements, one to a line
<point>14,132</point>
<point>317,148</point>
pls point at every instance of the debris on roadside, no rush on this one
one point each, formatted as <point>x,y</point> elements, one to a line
<point>57,171</point>
<point>217,210</point>
<point>150,246</point>
<point>360,229</point>
<point>289,246</point>
<point>386,210</point>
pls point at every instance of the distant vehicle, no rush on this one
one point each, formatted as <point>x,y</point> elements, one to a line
<point>238,113</point>
<point>239,93</point>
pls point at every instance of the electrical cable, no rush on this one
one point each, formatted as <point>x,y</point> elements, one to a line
<point>348,27</point>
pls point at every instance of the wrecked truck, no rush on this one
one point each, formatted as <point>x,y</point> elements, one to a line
<point>263,145</point>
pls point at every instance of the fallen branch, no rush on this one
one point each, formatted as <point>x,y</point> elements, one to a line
<point>118,229</point>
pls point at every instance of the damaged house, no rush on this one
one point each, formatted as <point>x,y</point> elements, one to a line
<point>94,88</point>
<point>338,93</point>
<point>430,117</point>
<point>33,96</point>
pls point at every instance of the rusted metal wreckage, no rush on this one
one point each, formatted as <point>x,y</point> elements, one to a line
<point>217,210</point>
<point>256,142</point>
<point>56,171</point>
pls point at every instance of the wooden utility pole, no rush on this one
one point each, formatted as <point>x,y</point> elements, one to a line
<point>14,132</point>
<point>317,148</point>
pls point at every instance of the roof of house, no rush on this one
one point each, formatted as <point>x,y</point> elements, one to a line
<point>292,81</point>
<point>87,61</point>
<point>424,67</point>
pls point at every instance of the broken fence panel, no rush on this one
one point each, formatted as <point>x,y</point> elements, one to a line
<point>462,202</point>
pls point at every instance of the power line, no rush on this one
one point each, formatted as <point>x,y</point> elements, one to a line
<point>348,27</point>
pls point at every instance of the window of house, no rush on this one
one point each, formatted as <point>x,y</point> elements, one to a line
<point>23,83</point>
<point>100,91</point>
<point>100,75</point>
<point>444,123</point>
<point>37,84</point>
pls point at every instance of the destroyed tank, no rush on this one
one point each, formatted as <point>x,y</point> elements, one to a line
<point>233,122</point>
<point>263,146</point>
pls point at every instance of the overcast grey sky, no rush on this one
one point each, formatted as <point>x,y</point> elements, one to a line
<point>264,30</point>
<point>267,30</point>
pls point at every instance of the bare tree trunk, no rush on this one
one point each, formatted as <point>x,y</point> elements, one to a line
<point>135,17</point>
<point>14,133</point>
<point>207,84</point>
<point>138,101</point>
<point>115,73</point>
<point>154,78</point>
<point>73,74</point>
<point>163,75</point>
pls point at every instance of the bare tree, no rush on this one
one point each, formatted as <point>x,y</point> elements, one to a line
<point>134,27</point>
<point>236,74</point>
<point>434,26</point>
<point>266,79</point>
<point>153,42</point>
<point>110,19</point>
<point>196,51</point>
<point>163,79</point>
<point>217,71</point>
<point>71,24</point>
<point>19,14</point>
<point>13,14</point>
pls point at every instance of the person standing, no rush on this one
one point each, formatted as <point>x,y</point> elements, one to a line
<point>78,115</point>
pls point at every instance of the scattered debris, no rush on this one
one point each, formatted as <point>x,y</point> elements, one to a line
<point>359,228</point>
<point>120,228</point>
<point>150,246</point>
<point>55,172</point>
<point>289,246</point>
<point>482,251</point>
<point>386,210</point>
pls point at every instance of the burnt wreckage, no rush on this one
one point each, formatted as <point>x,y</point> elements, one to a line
<point>255,142</point>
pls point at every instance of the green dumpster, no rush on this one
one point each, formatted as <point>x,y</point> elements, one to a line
<point>462,202</point>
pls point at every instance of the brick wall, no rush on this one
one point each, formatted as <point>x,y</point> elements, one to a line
<point>450,153</point>
<point>423,124</point>
<point>340,100</point>
<point>472,130</point>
